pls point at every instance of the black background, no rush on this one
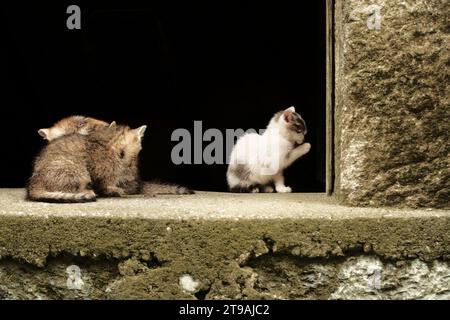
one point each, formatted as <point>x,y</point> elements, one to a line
<point>278,309</point>
<point>231,64</point>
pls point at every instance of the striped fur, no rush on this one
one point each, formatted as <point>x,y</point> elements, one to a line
<point>61,197</point>
<point>155,187</point>
<point>70,166</point>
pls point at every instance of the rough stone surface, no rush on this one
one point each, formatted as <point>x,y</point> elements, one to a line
<point>393,102</point>
<point>272,276</point>
<point>370,278</point>
<point>187,247</point>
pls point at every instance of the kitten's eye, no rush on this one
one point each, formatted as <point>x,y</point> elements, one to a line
<point>81,124</point>
<point>300,126</point>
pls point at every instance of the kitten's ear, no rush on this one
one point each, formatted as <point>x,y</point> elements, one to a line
<point>44,133</point>
<point>113,124</point>
<point>140,131</point>
<point>291,109</point>
<point>287,114</point>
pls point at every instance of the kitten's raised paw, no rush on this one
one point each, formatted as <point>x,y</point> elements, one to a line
<point>284,190</point>
<point>306,147</point>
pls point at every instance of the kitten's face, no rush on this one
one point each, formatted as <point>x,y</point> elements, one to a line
<point>71,125</point>
<point>294,124</point>
<point>130,143</point>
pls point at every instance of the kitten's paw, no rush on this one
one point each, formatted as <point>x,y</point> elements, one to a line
<point>254,190</point>
<point>284,190</point>
<point>184,190</point>
<point>306,147</point>
<point>114,192</point>
<point>268,189</point>
<point>88,194</point>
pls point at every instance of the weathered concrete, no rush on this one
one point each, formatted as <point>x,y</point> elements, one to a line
<point>213,245</point>
<point>393,102</point>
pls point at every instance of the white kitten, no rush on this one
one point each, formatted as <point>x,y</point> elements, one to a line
<point>257,161</point>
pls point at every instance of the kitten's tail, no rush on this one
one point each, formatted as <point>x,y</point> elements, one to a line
<point>60,197</point>
<point>156,187</point>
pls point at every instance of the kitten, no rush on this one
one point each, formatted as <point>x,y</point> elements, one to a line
<point>257,161</point>
<point>74,124</point>
<point>130,180</point>
<point>77,168</point>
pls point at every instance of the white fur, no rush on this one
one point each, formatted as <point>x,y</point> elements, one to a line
<point>55,133</point>
<point>291,109</point>
<point>267,155</point>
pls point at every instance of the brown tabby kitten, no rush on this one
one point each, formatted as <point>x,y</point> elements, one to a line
<point>86,125</point>
<point>77,168</point>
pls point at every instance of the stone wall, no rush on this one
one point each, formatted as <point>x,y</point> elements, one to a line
<point>286,246</point>
<point>270,276</point>
<point>393,102</point>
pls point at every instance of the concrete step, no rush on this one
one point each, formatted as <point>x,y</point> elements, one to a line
<point>221,245</point>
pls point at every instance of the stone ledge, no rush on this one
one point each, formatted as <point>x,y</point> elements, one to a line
<point>226,245</point>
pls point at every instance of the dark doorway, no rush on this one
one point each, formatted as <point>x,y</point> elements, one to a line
<point>231,64</point>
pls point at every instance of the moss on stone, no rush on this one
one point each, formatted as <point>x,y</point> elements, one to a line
<point>143,255</point>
